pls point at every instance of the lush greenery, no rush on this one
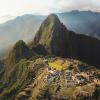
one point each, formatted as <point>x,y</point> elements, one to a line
<point>19,77</point>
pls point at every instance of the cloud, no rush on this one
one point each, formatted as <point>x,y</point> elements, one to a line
<point>5,18</point>
<point>20,7</point>
<point>67,5</point>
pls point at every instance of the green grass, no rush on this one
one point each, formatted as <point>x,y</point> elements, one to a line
<point>67,91</point>
<point>56,66</point>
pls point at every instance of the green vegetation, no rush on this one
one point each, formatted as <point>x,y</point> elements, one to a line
<point>68,91</point>
<point>19,77</point>
<point>56,66</point>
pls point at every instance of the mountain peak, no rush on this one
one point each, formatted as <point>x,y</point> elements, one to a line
<point>52,35</point>
<point>52,18</point>
<point>19,43</point>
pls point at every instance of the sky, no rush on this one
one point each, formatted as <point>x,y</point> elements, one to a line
<point>12,8</point>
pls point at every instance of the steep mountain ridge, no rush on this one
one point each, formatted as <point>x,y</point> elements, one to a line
<point>56,39</point>
<point>50,31</point>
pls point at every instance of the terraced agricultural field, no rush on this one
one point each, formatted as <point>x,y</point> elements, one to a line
<point>59,64</point>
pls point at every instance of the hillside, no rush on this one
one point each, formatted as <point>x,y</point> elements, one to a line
<point>17,79</point>
<point>35,79</point>
<point>53,84</point>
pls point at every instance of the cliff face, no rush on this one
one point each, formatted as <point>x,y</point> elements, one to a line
<point>88,49</point>
<point>54,38</point>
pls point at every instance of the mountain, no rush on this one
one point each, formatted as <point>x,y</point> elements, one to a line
<point>19,51</point>
<point>54,36</point>
<point>56,39</point>
<point>35,72</point>
<point>24,27</point>
<point>51,29</point>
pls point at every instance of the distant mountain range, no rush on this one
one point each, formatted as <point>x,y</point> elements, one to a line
<point>85,22</point>
<point>24,27</point>
<point>18,52</point>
